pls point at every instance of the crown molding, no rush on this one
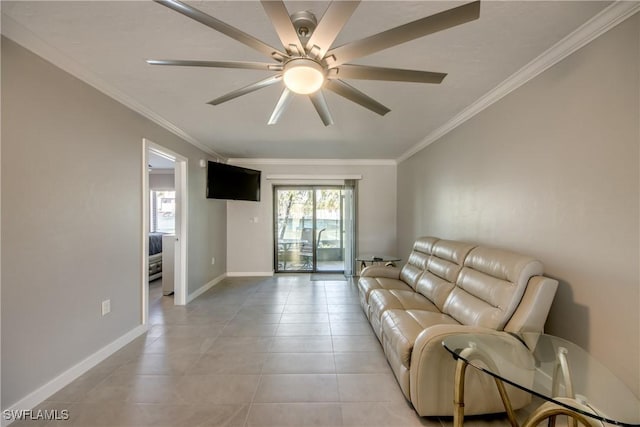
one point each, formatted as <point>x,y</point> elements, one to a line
<point>26,38</point>
<point>608,18</point>
<point>315,162</point>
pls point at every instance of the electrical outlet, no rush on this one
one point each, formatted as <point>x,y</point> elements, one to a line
<point>213,260</point>
<point>106,307</point>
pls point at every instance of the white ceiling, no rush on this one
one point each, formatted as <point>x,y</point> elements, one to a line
<point>110,40</point>
<point>159,162</point>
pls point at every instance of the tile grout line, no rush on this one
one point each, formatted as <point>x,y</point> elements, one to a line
<point>255,392</point>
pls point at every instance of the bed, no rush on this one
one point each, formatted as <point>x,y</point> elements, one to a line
<point>155,256</point>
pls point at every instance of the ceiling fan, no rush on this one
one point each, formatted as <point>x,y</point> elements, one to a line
<point>308,64</point>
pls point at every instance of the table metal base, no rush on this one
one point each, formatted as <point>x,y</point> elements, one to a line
<point>547,411</point>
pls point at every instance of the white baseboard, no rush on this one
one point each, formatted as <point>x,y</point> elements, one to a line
<point>204,288</point>
<point>38,396</point>
<point>250,274</point>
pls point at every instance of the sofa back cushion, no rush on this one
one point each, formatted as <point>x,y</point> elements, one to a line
<point>443,268</point>
<point>417,262</point>
<point>490,287</point>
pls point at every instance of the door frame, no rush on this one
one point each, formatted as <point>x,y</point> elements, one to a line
<point>182,224</point>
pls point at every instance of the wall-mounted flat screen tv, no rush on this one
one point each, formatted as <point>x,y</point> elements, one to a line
<point>230,182</point>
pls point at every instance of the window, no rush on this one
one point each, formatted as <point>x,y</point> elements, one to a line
<point>162,211</point>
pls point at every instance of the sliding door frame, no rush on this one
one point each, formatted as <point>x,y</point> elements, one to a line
<point>313,188</point>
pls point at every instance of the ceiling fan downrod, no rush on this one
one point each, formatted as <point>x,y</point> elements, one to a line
<point>305,23</point>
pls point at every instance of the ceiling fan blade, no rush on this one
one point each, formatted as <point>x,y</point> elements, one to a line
<point>281,106</point>
<point>222,27</point>
<point>366,72</point>
<point>247,89</point>
<point>320,103</point>
<point>279,16</point>
<point>404,33</point>
<point>336,15</point>
<point>347,91</point>
<point>217,64</point>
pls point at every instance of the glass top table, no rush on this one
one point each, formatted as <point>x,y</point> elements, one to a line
<point>565,376</point>
<point>364,259</point>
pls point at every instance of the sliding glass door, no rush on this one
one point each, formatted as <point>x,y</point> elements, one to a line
<point>313,228</point>
<point>293,240</point>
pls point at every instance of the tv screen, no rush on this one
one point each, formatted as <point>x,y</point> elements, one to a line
<point>232,182</point>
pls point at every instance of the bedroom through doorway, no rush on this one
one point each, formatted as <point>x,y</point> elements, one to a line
<point>162,226</point>
<point>165,227</point>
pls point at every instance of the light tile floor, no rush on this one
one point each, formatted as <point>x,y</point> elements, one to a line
<point>279,351</point>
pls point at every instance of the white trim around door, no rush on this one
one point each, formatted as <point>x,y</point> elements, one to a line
<point>182,226</point>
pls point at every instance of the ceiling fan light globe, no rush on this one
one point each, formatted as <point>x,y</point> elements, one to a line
<point>303,76</point>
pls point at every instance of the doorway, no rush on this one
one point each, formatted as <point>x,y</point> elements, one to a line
<point>313,230</point>
<point>165,213</point>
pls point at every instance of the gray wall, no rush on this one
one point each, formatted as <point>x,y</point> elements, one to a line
<point>552,170</point>
<point>71,225</point>
<point>250,245</point>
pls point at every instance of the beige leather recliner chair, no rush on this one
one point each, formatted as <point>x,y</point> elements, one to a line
<point>461,288</point>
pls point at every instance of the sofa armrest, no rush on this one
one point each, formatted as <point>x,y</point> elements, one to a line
<point>431,338</point>
<point>532,312</point>
<point>381,271</point>
<point>432,377</point>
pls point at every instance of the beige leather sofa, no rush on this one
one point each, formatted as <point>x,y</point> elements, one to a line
<point>451,287</point>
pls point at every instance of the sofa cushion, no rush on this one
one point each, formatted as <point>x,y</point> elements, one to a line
<point>400,328</point>
<point>417,262</point>
<point>490,287</point>
<point>442,270</point>
<point>381,300</point>
<point>368,284</point>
